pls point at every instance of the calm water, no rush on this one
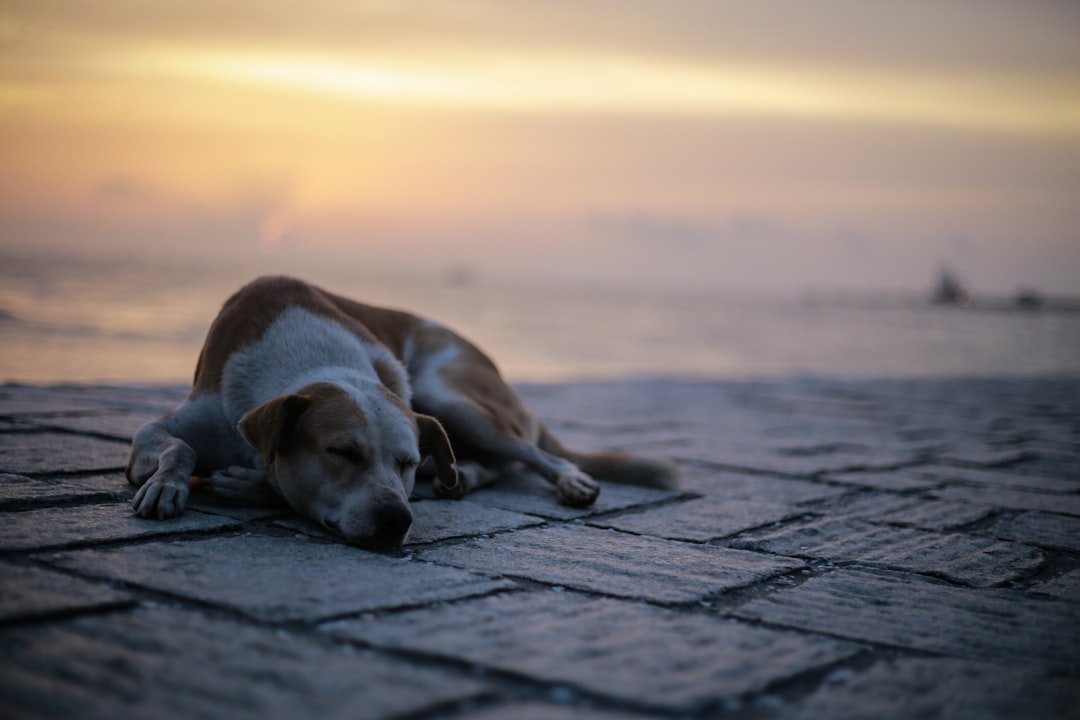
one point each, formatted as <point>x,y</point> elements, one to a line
<point>68,321</point>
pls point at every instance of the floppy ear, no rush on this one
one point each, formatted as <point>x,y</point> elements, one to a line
<point>266,426</point>
<point>435,444</point>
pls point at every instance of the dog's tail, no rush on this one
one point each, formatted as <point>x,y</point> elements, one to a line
<point>617,467</point>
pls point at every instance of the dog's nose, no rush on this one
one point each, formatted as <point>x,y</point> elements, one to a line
<point>391,524</point>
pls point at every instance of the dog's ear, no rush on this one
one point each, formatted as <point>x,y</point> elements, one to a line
<point>435,444</point>
<point>267,426</point>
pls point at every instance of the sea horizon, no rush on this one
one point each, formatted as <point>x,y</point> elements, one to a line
<point>78,320</point>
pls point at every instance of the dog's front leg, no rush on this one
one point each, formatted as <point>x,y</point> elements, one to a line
<point>238,485</point>
<point>161,466</point>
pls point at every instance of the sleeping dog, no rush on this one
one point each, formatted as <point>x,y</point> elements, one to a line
<point>335,407</point>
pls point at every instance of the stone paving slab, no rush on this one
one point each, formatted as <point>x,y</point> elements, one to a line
<point>1012,499</point>
<point>34,400</point>
<point>1038,528</point>
<point>614,563</point>
<point>1001,478</point>
<point>55,527</point>
<point>941,688</point>
<point>996,625</point>
<point>1065,587</point>
<point>756,488</point>
<point>613,648</point>
<point>976,561</point>
<point>296,579</point>
<point>164,663</point>
<point>531,495</point>
<point>17,491</point>
<point>57,453</point>
<point>33,592</point>
<point>904,479</point>
<point>435,520</point>
<point>118,424</point>
<point>700,520</point>
<point>913,511</point>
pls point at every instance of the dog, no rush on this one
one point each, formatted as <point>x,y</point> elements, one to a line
<point>336,407</point>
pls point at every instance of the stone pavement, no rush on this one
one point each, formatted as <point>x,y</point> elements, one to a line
<point>869,549</point>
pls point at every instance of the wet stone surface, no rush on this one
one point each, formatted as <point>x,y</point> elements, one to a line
<point>838,548</point>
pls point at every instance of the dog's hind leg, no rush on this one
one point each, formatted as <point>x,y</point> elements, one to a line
<point>161,466</point>
<point>499,429</point>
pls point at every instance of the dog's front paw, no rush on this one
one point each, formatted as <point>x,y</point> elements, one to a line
<point>240,486</point>
<point>576,489</point>
<point>161,497</point>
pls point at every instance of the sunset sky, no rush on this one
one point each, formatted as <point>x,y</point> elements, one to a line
<point>782,145</point>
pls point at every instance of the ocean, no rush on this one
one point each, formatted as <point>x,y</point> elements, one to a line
<point>76,321</point>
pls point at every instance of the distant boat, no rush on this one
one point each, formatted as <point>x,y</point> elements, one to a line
<point>950,291</point>
<point>1029,300</point>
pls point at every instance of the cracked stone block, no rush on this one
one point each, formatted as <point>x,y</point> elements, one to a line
<point>942,688</point>
<point>633,652</point>
<point>276,578</point>
<point>168,664</point>
<point>53,453</point>
<point>997,625</point>
<point>734,486</point>
<point>614,563</point>
<point>1012,499</point>
<point>31,592</point>
<point>1065,587</point>
<point>701,519</point>
<point>1060,532</point>
<point>530,494</point>
<point>16,490</point>
<point>977,561</point>
<point>60,526</point>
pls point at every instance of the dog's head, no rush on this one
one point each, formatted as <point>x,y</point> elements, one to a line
<point>347,459</point>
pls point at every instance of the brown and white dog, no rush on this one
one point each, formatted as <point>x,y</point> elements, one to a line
<point>332,405</point>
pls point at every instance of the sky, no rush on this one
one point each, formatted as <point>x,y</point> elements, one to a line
<point>777,145</point>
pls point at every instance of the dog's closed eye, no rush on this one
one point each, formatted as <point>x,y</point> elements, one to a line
<point>352,455</point>
<point>404,465</point>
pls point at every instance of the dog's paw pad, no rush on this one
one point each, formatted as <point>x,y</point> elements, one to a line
<point>577,489</point>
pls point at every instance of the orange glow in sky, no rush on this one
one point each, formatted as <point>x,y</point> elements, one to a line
<point>866,145</point>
